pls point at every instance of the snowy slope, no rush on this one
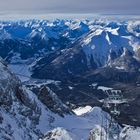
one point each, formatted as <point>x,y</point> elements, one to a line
<point>79,127</point>
<point>130,133</point>
<point>14,108</point>
<point>25,117</point>
<point>102,41</point>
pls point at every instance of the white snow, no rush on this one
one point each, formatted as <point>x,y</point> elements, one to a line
<point>82,110</point>
<point>21,70</point>
<point>94,85</point>
<point>130,133</point>
<point>4,35</point>
<point>95,32</point>
<point>70,87</point>
<point>104,88</point>
<point>113,31</point>
<point>134,27</point>
<point>108,39</point>
<point>120,68</point>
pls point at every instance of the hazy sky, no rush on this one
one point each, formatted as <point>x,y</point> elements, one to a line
<point>71,6</point>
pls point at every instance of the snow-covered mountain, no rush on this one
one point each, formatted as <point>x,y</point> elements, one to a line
<point>61,66</point>
<point>24,115</point>
<point>34,37</point>
<point>99,38</point>
<point>109,45</point>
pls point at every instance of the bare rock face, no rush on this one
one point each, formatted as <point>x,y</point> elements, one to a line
<point>126,62</point>
<point>51,100</point>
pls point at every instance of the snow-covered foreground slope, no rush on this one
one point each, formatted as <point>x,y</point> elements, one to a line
<point>16,111</point>
<point>78,127</point>
<point>25,117</point>
<point>88,126</point>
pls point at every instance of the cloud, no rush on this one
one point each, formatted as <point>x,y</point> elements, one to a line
<point>71,6</point>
